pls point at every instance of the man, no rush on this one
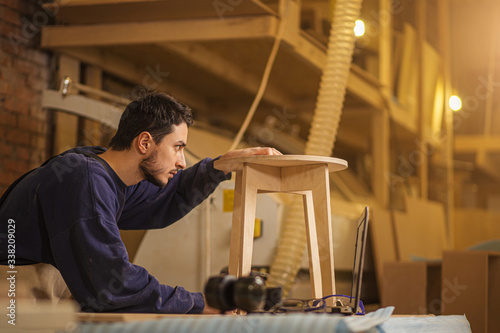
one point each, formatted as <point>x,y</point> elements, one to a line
<point>67,213</point>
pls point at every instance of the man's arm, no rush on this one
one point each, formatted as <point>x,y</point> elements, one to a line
<point>149,207</point>
<point>94,263</point>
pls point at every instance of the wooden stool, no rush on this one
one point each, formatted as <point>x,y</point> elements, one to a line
<point>299,174</point>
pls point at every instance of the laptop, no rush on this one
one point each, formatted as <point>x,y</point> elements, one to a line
<point>352,307</point>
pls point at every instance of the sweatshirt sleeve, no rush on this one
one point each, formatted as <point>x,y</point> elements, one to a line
<point>151,207</point>
<point>80,212</point>
<point>94,263</point>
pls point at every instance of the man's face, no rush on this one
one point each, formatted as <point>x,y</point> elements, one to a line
<point>167,157</point>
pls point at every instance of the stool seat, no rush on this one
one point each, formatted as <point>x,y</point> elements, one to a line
<point>236,163</point>
<point>305,175</point>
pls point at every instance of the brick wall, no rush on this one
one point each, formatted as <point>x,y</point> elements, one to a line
<point>24,73</point>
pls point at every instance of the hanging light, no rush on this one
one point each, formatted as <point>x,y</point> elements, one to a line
<point>455,103</point>
<point>359,28</point>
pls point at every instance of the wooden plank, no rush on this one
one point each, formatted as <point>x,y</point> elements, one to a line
<point>66,125</point>
<point>159,32</point>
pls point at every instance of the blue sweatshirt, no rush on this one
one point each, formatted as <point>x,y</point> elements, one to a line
<point>68,213</point>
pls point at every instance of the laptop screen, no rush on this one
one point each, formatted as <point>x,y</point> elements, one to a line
<point>359,258</point>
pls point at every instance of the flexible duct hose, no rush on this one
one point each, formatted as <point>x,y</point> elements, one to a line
<point>321,136</point>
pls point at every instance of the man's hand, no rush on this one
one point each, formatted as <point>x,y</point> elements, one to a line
<point>251,152</point>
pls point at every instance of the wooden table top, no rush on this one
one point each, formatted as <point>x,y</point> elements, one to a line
<point>236,163</point>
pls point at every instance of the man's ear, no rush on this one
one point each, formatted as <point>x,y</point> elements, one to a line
<point>144,142</point>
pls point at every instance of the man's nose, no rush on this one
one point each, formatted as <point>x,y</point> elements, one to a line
<point>181,161</point>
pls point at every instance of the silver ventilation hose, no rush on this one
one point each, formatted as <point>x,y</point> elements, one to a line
<point>321,137</point>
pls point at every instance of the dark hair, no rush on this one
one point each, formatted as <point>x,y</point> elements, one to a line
<point>155,113</point>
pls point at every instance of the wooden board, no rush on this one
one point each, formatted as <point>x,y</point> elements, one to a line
<point>474,226</point>
<point>420,231</point>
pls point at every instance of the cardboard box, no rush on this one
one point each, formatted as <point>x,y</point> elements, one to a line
<point>412,287</point>
<point>471,286</point>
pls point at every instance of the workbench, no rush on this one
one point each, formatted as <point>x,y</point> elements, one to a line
<point>377,321</point>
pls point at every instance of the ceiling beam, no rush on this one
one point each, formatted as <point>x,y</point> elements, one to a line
<point>263,26</point>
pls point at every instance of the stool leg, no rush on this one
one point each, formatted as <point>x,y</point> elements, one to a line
<point>234,250</point>
<point>321,194</point>
<point>245,201</point>
<point>312,246</point>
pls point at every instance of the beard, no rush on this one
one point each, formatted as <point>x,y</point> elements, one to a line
<point>149,170</point>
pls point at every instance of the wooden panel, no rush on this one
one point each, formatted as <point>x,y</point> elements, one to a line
<point>470,227</point>
<point>405,287</point>
<point>464,289</point>
<point>420,231</point>
<point>475,226</point>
